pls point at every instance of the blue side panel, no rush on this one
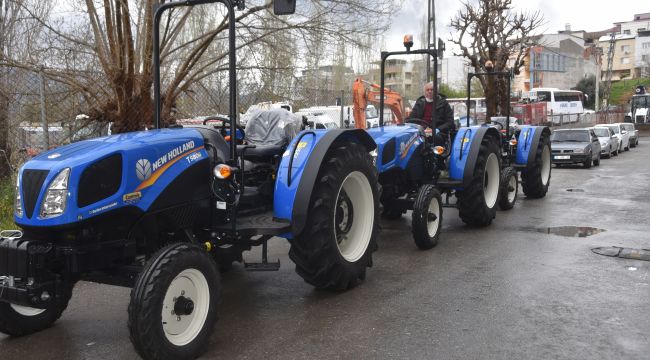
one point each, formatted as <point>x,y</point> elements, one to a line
<point>285,190</point>
<point>150,161</point>
<point>460,152</point>
<point>407,140</point>
<point>524,143</point>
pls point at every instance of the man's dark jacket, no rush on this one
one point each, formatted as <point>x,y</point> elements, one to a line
<point>444,115</point>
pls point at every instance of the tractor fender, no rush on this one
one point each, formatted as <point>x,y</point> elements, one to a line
<point>298,171</point>
<point>465,150</point>
<point>528,142</point>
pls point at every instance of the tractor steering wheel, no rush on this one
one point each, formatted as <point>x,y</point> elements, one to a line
<point>222,128</point>
<point>417,121</point>
<point>498,125</point>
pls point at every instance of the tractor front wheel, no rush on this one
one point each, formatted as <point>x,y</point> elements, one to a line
<point>173,305</point>
<point>426,218</point>
<point>17,320</point>
<point>509,188</point>
<point>340,235</point>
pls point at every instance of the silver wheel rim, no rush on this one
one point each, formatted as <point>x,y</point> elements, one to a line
<point>26,310</point>
<point>352,244</point>
<point>546,165</point>
<point>434,209</point>
<point>512,184</point>
<point>189,285</point>
<point>491,180</point>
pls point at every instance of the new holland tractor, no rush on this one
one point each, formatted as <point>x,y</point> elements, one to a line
<point>526,150</point>
<point>161,210</point>
<point>474,165</point>
<point>415,171</point>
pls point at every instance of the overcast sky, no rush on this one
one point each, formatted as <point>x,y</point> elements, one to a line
<point>592,15</point>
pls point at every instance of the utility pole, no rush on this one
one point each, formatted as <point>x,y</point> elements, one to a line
<point>431,34</point>
<point>608,75</point>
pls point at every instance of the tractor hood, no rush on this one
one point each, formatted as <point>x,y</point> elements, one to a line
<point>108,173</point>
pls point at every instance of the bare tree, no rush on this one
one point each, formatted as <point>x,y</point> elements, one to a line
<point>110,66</point>
<point>491,30</point>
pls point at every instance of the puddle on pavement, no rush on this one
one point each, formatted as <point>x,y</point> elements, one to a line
<point>575,190</point>
<point>568,231</point>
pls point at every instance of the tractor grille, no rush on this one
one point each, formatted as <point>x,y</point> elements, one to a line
<point>32,181</point>
<point>640,119</point>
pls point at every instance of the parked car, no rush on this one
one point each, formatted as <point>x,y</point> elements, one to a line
<point>608,141</point>
<point>462,121</point>
<point>632,132</point>
<point>621,134</point>
<point>575,146</point>
<point>321,121</point>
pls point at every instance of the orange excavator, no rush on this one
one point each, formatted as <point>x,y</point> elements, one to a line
<point>364,92</point>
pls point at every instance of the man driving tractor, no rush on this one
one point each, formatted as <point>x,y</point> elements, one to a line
<point>423,110</point>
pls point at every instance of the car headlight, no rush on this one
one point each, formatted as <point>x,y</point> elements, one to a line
<point>56,196</point>
<point>578,151</point>
<point>18,204</point>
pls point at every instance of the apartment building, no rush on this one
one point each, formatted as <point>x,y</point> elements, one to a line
<point>558,60</point>
<point>623,60</point>
<point>642,54</point>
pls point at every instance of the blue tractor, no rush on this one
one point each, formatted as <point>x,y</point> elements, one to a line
<point>474,166</point>
<point>161,210</point>
<point>526,150</point>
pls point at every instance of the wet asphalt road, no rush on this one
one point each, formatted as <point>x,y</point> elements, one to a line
<point>503,292</point>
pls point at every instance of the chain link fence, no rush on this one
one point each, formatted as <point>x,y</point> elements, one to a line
<point>41,112</point>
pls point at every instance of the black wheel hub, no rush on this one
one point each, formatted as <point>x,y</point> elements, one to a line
<point>344,216</point>
<point>183,306</point>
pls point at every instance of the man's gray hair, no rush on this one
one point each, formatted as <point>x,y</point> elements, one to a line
<point>429,83</point>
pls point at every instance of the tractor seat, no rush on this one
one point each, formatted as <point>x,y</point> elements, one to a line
<point>261,151</point>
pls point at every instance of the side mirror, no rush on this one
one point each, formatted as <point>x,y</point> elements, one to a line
<point>284,7</point>
<point>624,132</point>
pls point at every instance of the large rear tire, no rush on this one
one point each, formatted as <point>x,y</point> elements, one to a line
<point>340,235</point>
<point>16,320</point>
<point>477,203</point>
<point>536,179</point>
<point>426,219</point>
<point>173,305</point>
<point>509,188</point>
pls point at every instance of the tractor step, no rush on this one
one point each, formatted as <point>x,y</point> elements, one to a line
<point>265,265</point>
<point>262,266</point>
<point>449,183</point>
<point>258,224</point>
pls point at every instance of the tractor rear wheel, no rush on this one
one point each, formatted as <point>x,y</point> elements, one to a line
<point>16,320</point>
<point>509,188</point>
<point>426,219</point>
<point>173,305</point>
<point>477,202</point>
<point>341,230</point>
<point>537,177</point>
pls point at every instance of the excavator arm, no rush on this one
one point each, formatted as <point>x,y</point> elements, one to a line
<point>364,92</point>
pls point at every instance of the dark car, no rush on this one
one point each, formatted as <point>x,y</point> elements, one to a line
<point>575,146</point>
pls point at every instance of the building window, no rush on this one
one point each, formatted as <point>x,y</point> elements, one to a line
<point>627,32</point>
<point>645,45</point>
<point>625,49</point>
<point>625,60</point>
